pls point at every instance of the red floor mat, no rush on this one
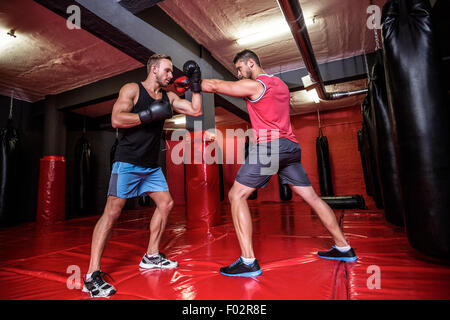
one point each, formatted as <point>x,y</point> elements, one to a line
<point>34,262</point>
<point>384,250</point>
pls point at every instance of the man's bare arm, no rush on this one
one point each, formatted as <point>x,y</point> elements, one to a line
<point>187,107</point>
<point>121,116</point>
<point>241,89</point>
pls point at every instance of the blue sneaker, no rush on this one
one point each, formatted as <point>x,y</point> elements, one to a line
<point>335,254</point>
<point>240,269</point>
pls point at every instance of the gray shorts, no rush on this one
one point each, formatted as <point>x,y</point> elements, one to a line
<point>281,156</point>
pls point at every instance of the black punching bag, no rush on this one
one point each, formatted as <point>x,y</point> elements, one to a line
<point>112,153</point>
<point>419,105</point>
<point>323,164</point>
<point>82,174</point>
<point>371,142</point>
<point>9,181</point>
<point>387,159</point>
<point>254,194</point>
<point>285,190</point>
<point>363,152</point>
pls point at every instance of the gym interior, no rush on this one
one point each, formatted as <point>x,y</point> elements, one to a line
<point>369,105</point>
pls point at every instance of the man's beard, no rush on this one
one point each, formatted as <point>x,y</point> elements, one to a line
<point>163,82</point>
<point>247,74</point>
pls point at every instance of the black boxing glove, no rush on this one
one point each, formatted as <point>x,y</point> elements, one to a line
<point>192,71</point>
<point>158,110</point>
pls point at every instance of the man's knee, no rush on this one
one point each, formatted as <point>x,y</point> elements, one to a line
<point>166,205</point>
<point>113,210</point>
<point>236,194</point>
<point>308,194</point>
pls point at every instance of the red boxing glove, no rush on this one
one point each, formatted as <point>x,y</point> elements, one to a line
<point>181,84</point>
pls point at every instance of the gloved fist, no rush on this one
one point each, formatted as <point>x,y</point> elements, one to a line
<point>158,110</point>
<point>192,71</point>
<point>182,84</point>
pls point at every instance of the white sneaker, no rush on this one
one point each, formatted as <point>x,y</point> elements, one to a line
<point>158,262</point>
<point>97,287</point>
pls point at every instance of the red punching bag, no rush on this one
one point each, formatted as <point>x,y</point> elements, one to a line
<point>202,181</point>
<point>51,206</point>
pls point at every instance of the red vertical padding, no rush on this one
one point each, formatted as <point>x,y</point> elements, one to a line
<point>202,182</point>
<point>175,171</point>
<point>51,205</point>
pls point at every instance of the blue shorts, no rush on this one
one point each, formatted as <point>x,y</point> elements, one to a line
<point>129,181</point>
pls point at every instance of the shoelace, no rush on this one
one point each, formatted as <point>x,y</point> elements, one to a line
<point>99,279</point>
<point>159,258</point>
<point>162,256</point>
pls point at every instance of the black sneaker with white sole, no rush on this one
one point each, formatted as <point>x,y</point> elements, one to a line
<point>240,269</point>
<point>335,254</point>
<point>158,262</point>
<point>97,287</point>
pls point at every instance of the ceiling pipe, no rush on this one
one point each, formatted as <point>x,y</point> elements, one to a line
<point>293,14</point>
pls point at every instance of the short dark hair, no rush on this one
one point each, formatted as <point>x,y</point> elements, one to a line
<point>246,54</point>
<point>154,59</point>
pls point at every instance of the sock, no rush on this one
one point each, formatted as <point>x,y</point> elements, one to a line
<point>88,276</point>
<point>248,261</point>
<point>343,249</point>
<point>152,255</point>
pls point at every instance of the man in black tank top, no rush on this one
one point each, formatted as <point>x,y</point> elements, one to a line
<point>141,110</point>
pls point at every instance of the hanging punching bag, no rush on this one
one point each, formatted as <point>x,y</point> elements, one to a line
<point>9,182</point>
<point>285,190</point>
<point>112,153</point>
<point>362,148</point>
<point>254,194</point>
<point>144,200</point>
<point>419,106</point>
<point>371,142</point>
<point>387,160</point>
<point>323,164</point>
<point>82,174</point>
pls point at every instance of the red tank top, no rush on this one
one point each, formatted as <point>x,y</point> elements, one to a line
<point>269,114</point>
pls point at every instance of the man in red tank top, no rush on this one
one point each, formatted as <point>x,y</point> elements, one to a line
<point>267,99</point>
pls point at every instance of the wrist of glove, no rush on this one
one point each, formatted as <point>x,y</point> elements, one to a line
<point>196,86</point>
<point>158,110</point>
<point>192,71</point>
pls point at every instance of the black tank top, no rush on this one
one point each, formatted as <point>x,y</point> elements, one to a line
<point>140,145</point>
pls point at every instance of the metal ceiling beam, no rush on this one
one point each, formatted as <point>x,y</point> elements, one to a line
<point>293,14</point>
<point>153,39</point>
<point>334,72</point>
<point>136,6</point>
